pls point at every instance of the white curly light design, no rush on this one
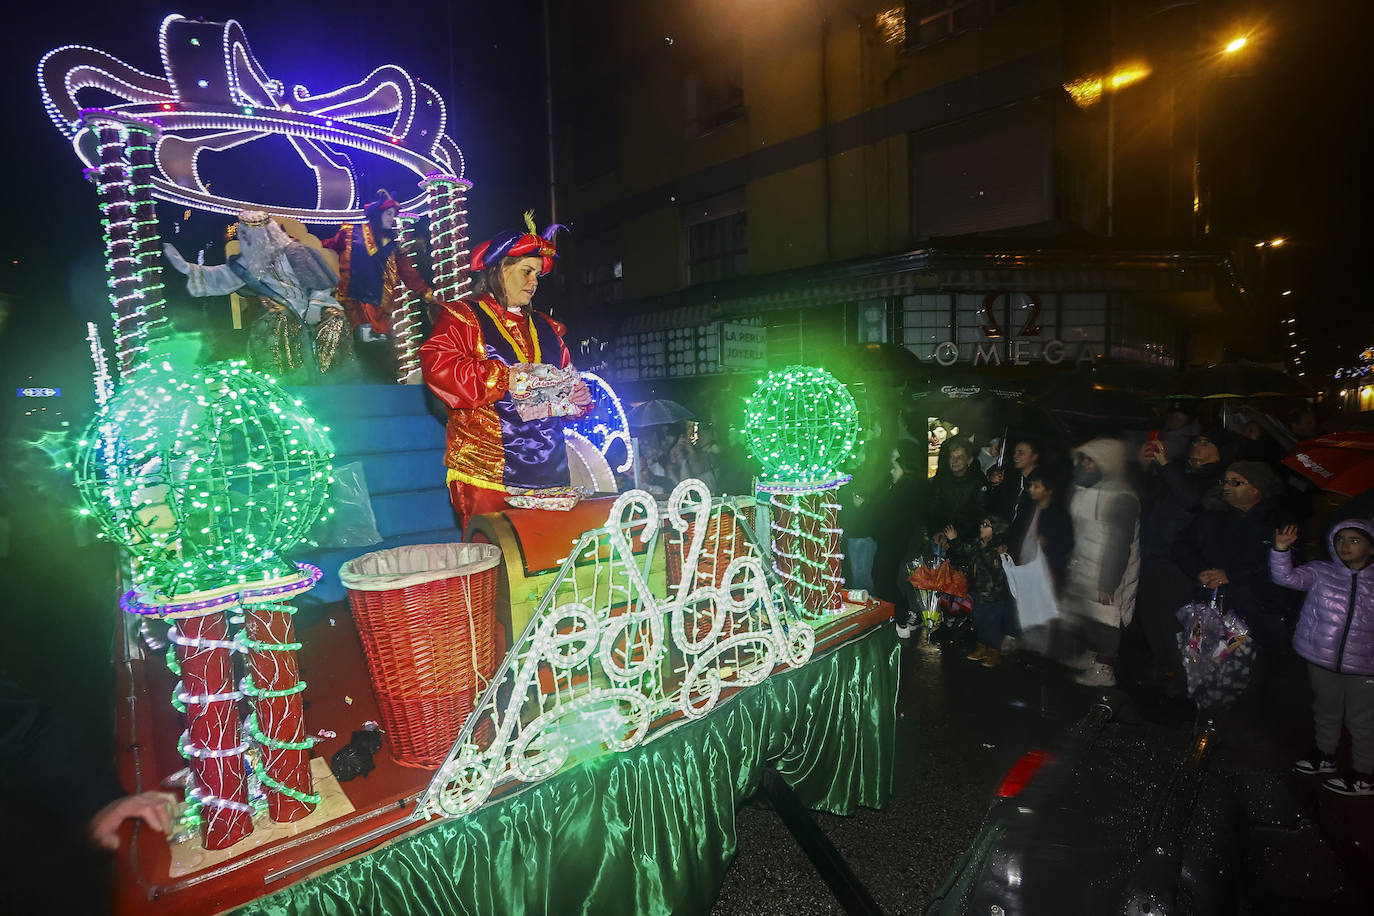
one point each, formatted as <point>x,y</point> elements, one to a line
<point>614,657</point>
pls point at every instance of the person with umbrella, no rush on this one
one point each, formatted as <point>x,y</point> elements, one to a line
<point>506,377</point>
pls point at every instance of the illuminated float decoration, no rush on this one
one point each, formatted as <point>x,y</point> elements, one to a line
<point>609,660</point>
<point>214,96</point>
<point>802,425</point>
<point>592,438</point>
<point>209,478</point>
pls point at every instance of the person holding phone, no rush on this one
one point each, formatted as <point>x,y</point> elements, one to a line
<point>1172,493</point>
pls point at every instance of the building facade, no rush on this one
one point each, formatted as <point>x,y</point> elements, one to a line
<point>929,174</point>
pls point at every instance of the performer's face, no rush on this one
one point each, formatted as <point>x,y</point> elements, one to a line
<point>389,218</point>
<point>520,279</point>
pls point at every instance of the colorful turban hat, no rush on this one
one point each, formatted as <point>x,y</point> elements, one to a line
<point>516,244</point>
<point>374,210</point>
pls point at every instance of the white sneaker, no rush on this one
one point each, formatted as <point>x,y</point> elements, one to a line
<point>1097,675</point>
<point>1008,644</point>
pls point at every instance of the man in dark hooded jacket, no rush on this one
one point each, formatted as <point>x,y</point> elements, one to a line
<point>1226,547</point>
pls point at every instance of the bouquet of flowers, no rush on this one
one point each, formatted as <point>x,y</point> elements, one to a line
<point>941,589</point>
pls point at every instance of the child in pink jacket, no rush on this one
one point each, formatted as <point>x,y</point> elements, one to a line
<point>1335,634</point>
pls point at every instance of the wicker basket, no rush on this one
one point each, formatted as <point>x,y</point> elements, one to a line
<point>426,615</point>
<point>725,540</point>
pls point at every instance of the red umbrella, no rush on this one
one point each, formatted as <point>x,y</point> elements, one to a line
<point>1340,462</point>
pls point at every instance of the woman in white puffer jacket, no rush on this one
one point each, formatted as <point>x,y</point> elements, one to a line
<point>1104,567</point>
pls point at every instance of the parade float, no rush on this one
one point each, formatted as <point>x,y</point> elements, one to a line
<point>616,673</point>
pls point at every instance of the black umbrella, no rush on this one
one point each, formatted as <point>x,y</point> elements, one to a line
<point>1077,401</point>
<point>887,366</point>
<point>1240,379</point>
<point>658,412</point>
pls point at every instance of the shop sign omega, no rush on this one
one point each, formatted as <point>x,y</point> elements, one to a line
<point>996,349</point>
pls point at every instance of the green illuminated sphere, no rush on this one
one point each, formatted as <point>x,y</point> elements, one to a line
<point>207,476</point>
<point>801,425</point>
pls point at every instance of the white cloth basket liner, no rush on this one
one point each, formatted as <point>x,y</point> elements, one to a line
<point>402,567</point>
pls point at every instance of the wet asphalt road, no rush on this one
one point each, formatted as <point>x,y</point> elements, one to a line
<point>960,727</point>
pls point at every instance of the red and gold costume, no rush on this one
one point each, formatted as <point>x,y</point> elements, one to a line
<point>491,449</point>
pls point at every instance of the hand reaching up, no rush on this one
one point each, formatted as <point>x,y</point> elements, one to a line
<point>1285,538</point>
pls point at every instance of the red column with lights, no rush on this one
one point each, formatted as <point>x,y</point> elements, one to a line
<point>276,695</point>
<point>213,746</point>
<point>806,549</point>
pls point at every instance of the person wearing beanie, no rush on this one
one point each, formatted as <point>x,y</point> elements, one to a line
<point>1225,548</point>
<point>369,259</point>
<point>489,360</point>
<point>1172,493</point>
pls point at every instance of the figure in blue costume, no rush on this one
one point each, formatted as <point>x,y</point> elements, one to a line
<point>371,262</point>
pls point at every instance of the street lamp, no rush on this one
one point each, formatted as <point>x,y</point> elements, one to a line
<point>1234,45</point>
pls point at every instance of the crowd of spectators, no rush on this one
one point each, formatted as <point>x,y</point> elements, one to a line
<point>1131,528</point>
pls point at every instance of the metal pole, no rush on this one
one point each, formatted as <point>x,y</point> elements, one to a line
<point>548,113</point>
<point>1111,122</point>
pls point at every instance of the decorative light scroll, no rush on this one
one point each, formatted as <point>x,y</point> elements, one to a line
<point>214,96</point>
<point>607,664</point>
<point>605,424</point>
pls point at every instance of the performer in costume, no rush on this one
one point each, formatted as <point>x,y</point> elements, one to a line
<point>370,263</point>
<point>293,281</point>
<point>489,359</point>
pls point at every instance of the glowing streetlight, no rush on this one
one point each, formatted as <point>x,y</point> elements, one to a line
<point>1234,45</point>
<point>1087,91</point>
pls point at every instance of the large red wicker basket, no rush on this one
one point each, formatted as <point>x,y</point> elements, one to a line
<point>426,615</point>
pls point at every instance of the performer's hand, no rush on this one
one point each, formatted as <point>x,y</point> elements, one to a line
<point>581,395</point>
<point>175,258</point>
<point>153,808</point>
<point>1104,597</point>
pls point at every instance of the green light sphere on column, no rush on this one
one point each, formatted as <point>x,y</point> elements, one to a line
<point>207,476</point>
<point>801,425</point>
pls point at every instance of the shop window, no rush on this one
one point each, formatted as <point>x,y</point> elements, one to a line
<point>930,21</point>
<point>715,93</point>
<point>717,237</point>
